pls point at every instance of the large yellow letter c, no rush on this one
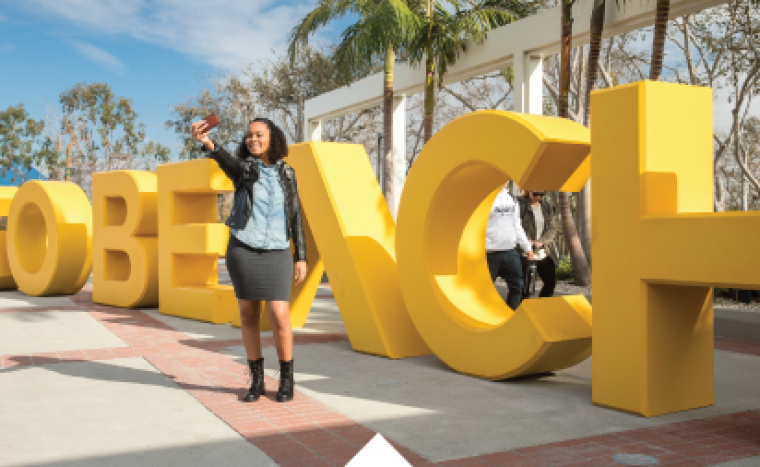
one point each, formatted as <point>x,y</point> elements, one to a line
<point>440,244</point>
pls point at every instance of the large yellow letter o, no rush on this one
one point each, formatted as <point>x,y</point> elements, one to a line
<point>50,238</point>
<point>440,244</point>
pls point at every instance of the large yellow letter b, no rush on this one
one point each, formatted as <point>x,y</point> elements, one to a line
<point>125,261</point>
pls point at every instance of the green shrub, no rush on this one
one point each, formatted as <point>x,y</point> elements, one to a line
<point>565,270</point>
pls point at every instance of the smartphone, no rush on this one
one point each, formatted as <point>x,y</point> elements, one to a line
<point>211,121</point>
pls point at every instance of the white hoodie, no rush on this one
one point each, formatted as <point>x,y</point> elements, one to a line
<point>504,230</point>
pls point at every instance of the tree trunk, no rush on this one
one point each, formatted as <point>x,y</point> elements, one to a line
<point>429,94</point>
<point>592,72</point>
<point>581,268</point>
<point>594,50</point>
<point>687,52</point>
<point>565,57</point>
<point>387,150</point>
<point>300,133</point>
<point>584,228</point>
<point>658,41</point>
<point>737,145</point>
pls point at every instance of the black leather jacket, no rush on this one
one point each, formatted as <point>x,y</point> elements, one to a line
<point>244,173</point>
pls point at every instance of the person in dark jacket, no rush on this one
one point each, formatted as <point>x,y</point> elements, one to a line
<point>265,217</point>
<point>540,226</point>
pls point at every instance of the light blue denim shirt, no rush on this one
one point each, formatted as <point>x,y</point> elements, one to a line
<point>267,229</point>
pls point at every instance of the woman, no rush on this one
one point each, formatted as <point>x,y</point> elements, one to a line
<point>265,215</point>
<point>538,221</point>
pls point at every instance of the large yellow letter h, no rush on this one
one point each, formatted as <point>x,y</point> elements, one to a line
<point>659,247</point>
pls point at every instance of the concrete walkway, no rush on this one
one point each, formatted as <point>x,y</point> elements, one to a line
<point>83,384</point>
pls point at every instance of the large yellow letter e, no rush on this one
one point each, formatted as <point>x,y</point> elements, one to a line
<point>190,242</point>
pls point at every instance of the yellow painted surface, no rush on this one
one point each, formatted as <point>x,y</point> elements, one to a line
<point>190,242</point>
<point>6,277</point>
<point>658,248</point>
<point>440,243</point>
<point>125,238</point>
<point>50,238</point>
<point>355,234</point>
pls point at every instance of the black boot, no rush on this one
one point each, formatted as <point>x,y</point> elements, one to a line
<point>285,393</point>
<point>257,388</point>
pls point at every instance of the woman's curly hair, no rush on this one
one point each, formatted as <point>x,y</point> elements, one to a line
<point>278,145</point>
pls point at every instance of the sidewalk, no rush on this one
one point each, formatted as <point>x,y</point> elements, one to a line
<point>84,384</point>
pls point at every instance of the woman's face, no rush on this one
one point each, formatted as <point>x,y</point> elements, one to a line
<point>257,138</point>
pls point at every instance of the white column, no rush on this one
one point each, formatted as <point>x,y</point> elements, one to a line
<point>313,130</point>
<point>528,90</point>
<point>399,151</point>
<point>534,79</point>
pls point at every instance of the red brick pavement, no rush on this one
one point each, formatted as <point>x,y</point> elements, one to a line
<point>305,432</point>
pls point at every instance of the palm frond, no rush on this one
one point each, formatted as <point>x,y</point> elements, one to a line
<point>392,21</point>
<point>325,12</point>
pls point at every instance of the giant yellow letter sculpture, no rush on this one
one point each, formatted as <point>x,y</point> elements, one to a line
<point>50,238</point>
<point>424,286</point>
<point>125,256</point>
<point>658,248</point>
<point>441,244</point>
<point>355,233</point>
<point>6,277</point>
<point>190,242</point>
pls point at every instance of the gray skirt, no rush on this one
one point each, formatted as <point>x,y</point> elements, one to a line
<point>259,274</point>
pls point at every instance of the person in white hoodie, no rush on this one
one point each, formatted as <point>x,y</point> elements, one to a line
<point>504,233</point>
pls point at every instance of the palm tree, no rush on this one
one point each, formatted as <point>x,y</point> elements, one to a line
<point>581,269</point>
<point>658,41</point>
<point>445,32</point>
<point>592,72</point>
<point>594,50</point>
<point>383,28</point>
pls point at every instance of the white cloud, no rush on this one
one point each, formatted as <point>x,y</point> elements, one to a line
<point>8,47</point>
<point>223,33</point>
<point>98,55</point>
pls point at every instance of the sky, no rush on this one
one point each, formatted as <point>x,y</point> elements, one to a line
<point>155,53</point>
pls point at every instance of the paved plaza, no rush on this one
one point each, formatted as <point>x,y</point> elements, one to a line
<point>85,384</point>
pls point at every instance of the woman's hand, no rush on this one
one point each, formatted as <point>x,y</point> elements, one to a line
<point>200,134</point>
<point>300,271</point>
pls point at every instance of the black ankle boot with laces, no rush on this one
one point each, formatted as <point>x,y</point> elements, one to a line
<point>285,393</point>
<point>257,388</point>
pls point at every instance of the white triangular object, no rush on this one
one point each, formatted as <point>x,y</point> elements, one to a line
<point>378,453</point>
